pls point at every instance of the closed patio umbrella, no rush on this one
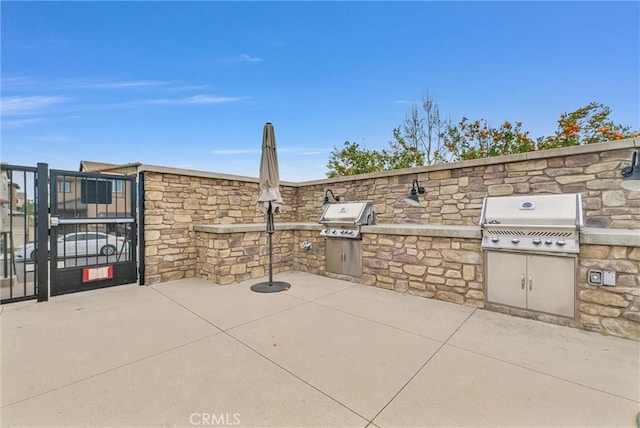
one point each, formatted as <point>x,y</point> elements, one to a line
<point>269,201</point>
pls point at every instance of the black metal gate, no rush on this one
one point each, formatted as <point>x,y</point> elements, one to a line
<point>23,229</point>
<point>93,231</point>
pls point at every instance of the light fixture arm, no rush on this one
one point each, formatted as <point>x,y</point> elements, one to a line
<point>627,171</point>
<point>335,198</point>
<point>417,187</point>
<point>326,197</point>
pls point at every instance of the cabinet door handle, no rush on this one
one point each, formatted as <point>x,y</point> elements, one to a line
<point>522,281</point>
<point>530,282</point>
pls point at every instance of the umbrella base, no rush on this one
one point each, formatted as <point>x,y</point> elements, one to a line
<point>270,287</point>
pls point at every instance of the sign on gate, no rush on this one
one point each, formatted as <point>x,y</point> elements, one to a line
<point>97,273</point>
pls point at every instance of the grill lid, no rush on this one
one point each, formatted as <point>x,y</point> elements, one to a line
<point>561,210</point>
<point>353,214</point>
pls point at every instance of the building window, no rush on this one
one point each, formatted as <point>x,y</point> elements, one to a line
<point>117,186</point>
<point>64,187</point>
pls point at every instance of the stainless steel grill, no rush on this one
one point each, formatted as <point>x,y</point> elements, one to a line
<point>531,244</point>
<point>538,223</point>
<point>344,220</point>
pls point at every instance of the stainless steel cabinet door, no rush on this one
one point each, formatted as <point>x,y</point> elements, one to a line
<point>551,285</point>
<point>506,279</point>
<point>334,255</point>
<point>352,258</point>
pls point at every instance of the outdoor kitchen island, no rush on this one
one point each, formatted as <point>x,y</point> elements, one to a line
<point>444,262</point>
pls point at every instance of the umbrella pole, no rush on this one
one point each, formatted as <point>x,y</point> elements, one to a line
<point>270,232</point>
<point>270,287</point>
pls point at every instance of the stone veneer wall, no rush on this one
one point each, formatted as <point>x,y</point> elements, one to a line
<point>175,202</point>
<point>454,192</point>
<point>234,257</point>
<point>447,269</point>
<point>615,310</point>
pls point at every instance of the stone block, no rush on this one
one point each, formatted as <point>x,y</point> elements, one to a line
<point>613,198</point>
<point>461,256</point>
<point>448,296</point>
<point>171,276</point>
<point>622,328</point>
<point>603,298</point>
<point>468,272</point>
<point>500,190</point>
<point>583,159</point>
<point>604,311</point>
<point>415,270</point>
<point>475,294</point>
<point>594,251</point>
<point>632,316</point>
<point>589,319</point>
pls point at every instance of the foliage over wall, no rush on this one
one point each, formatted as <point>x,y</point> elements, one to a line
<point>427,139</point>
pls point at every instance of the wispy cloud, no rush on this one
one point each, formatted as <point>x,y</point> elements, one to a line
<point>196,99</point>
<point>249,58</point>
<point>19,123</point>
<point>238,59</point>
<point>126,84</point>
<point>12,106</point>
<point>234,151</point>
<point>405,102</point>
<point>17,82</point>
<point>301,151</point>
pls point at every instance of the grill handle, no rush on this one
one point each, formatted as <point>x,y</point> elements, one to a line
<point>522,281</point>
<point>530,282</point>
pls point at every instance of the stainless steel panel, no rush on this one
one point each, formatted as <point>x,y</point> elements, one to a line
<point>551,284</point>
<point>344,256</point>
<point>506,278</point>
<point>533,210</point>
<point>334,255</point>
<point>353,257</point>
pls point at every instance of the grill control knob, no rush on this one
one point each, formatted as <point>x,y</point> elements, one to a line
<point>561,242</point>
<point>537,241</point>
<point>494,239</point>
<point>548,242</point>
<point>515,240</point>
<point>334,231</point>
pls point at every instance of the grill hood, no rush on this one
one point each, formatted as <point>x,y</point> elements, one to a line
<point>552,211</point>
<point>351,214</point>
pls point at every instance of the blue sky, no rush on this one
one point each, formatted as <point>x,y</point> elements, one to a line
<point>191,84</point>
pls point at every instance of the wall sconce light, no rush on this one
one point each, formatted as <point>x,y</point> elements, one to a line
<point>326,198</point>
<point>412,198</point>
<point>632,174</point>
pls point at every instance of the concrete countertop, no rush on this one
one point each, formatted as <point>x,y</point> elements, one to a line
<point>622,237</point>
<point>254,227</point>
<point>589,235</point>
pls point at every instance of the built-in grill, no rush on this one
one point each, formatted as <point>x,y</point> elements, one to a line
<point>530,246</point>
<point>344,220</point>
<point>341,228</point>
<point>538,223</point>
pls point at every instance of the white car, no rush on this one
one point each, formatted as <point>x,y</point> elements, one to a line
<point>78,244</point>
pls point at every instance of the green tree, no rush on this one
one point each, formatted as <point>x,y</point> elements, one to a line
<point>587,125</point>
<point>428,139</point>
<point>352,159</point>
<point>474,140</point>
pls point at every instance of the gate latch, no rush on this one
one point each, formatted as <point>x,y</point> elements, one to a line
<point>54,221</point>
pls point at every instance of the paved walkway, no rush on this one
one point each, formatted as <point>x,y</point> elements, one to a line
<point>325,353</point>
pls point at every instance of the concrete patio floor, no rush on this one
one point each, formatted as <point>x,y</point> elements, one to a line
<point>325,353</point>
